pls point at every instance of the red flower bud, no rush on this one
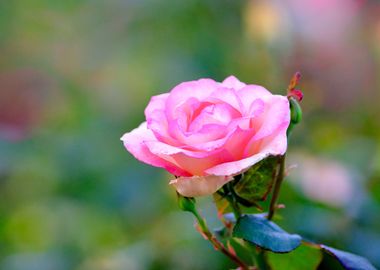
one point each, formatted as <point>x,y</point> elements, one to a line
<point>296,93</point>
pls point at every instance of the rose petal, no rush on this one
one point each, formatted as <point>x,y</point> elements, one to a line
<point>274,147</point>
<point>199,186</point>
<point>278,139</point>
<point>227,96</point>
<point>194,89</point>
<point>158,124</point>
<point>237,142</point>
<point>160,148</point>
<point>135,140</point>
<point>207,133</point>
<point>214,144</point>
<point>221,114</point>
<point>233,82</point>
<point>155,103</point>
<point>255,110</point>
<point>276,115</point>
<point>197,166</point>
<point>250,93</point>
<point>193,162</point>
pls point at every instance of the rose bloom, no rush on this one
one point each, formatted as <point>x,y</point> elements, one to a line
<point>205,132</point>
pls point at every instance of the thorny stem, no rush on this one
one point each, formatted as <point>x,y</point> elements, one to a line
<point>277,187</point>
<point>217,244</point>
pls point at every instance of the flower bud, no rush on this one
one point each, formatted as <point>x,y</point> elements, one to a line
<point>297,94</point>
<point>186,203</point>
<point>295,111</point>
<point>294,81</point>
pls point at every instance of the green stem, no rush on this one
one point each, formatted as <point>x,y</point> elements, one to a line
<point>217,244</point>
<point>260,259</point>
<point>277,187</point>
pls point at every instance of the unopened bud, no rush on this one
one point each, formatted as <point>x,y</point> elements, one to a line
<point>297,94</point>
<point>186,203</point>
<point>294,81</point>
<point>295,111</point>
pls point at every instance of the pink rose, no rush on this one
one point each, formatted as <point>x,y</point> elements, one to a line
<point>205,132</point>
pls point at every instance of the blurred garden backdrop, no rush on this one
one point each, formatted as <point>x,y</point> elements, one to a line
<point>77,74</point>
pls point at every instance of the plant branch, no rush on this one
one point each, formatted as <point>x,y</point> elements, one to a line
<point>277,187</point>
<point>217,244</point>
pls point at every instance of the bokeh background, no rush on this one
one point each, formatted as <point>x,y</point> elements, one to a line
<point>76,74</point>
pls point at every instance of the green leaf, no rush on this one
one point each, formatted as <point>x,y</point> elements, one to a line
<point>222,204</point>
<point>303,258</point>
<point>348,260</point>
<point>265,234</point>
<point>256,183</point>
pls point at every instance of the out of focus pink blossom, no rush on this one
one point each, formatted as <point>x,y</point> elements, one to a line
<point>323,180</point>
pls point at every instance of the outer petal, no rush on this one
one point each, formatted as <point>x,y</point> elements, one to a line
<point>135,142</point>
<point>198,166</point>
<point>233,82</point>
<point>156,118</point>
<point>276,115</point>
<point>158,124</point>
<point>194,163</point>
<point>156,103</point>
<point>275,146</point>
<point>199,186</point>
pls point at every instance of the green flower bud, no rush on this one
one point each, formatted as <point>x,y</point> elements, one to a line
<point>186,203</point>
<point>295,111</point>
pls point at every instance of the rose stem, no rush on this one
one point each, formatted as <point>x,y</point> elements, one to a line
<point>277,186</point>
<point>216,243</point>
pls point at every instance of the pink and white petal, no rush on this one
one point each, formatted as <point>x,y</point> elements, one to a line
<point>275,116</point>
<point>246,122</point>
<point>212,144</point>
<point>199,185</point>
<point>235,136</point>
<point>233,82</point>
<point>135,142</point>
<point>277,141</point>
<point>221,114</point>
<point>158,124</point>
<point>185,112</point>
<point>199,89</point>
<point>197,166</point>
<point>250,93</point>
<point>236,143</point>
<point>228,96</point>
<point>207,133</point>
<point>236,167</point>
<point>276,146</point>
<point>156,103</point>
<point>163,149</point>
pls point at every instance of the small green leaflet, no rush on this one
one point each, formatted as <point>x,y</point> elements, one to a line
<point>256,183</point>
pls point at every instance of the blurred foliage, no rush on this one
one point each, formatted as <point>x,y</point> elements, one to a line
<point>76,75</point>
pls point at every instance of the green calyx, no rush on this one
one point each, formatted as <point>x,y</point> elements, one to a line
<point>186,203</point>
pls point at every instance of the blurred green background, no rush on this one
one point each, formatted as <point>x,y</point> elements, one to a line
<point>75,75</point>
